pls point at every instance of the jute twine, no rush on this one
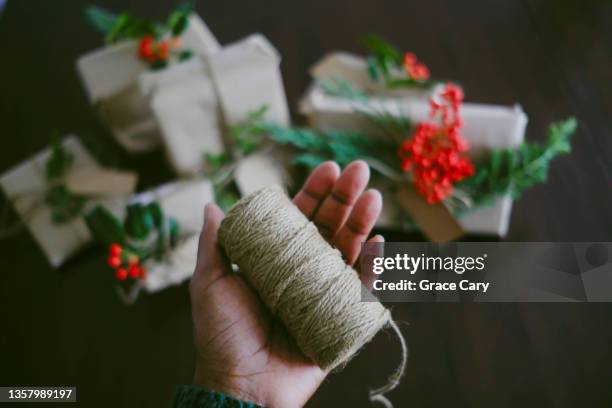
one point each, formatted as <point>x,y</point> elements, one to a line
<point>304,281</point>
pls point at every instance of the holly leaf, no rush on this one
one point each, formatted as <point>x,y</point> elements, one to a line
<point>139,222</point>
<point>179,19</point>
<point>117,27</point>
<point>101,19</point>
<point>185,55</point>
<point>173,231</point>
<point>105,227</point>
<point>158,65</point>
<point>156,213</point>
<point>384,52</point>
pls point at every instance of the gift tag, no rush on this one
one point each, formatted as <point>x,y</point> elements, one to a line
<point>435,220</point>
<point>93,181</point>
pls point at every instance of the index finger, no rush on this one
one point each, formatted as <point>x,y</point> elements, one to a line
<point>316,188</point>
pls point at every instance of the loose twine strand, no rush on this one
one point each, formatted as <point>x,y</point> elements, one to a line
<point>305,282</point>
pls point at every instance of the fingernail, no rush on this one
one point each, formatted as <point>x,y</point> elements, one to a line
<point>375,191</point>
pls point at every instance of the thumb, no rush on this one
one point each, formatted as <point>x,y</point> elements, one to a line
<point>211,263</point>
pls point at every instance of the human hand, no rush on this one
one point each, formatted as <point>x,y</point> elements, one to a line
<point>242,350</point>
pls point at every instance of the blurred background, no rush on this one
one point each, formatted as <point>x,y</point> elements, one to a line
<point>67,327</point>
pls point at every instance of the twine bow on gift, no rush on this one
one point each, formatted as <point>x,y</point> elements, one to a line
<point>67,191</point>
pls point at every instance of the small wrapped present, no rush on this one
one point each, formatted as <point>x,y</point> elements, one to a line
<point>175,269</point>
<point>444,166</point>
<point>247,76</point>
<point>153,240</point>
<point>110,79</point>
<point>51,207</point>
<point>184,102</point>
<point>485,127</point>
<point>197,101</point>
<point>110,76</point>
<point>184,201</point>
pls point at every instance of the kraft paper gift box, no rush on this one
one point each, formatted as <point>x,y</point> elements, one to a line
<point>184,102</point>
<point>25,186</point>
<point>485,127</point>
<point>196,102</point>
<point>110,77</point>
<point>176,269</point>
<point>247,76</point>
<point>185,105</point>
<point>183,200</point>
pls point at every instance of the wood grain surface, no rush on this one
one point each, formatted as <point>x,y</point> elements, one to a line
<point>67,327</point>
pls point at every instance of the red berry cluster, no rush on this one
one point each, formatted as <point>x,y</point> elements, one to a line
<point>125,263</point>
<point>415,69</point>
<point>434,154</point>
<point>152,50</point>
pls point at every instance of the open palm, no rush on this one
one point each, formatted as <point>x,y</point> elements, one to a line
<point>241,349</point>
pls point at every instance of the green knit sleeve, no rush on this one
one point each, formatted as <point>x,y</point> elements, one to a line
<point>191,396</point>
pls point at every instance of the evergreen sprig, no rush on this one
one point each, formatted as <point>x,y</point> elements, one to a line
<point>504,171</point>
<point>312,147</point>
<point>395,126</point>
<point>515,170</point>
<point>126,26</point>
<point>315,147</point>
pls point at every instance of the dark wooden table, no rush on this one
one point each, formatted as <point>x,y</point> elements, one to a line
<point>67,327</point>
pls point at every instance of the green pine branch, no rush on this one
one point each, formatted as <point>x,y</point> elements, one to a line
<point>396,127</point>
<point>515,170</point>
<point>314,147</point>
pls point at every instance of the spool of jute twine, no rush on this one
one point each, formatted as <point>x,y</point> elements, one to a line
<point>305,282</point>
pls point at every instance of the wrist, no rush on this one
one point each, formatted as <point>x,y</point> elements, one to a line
<point>235,386</point>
